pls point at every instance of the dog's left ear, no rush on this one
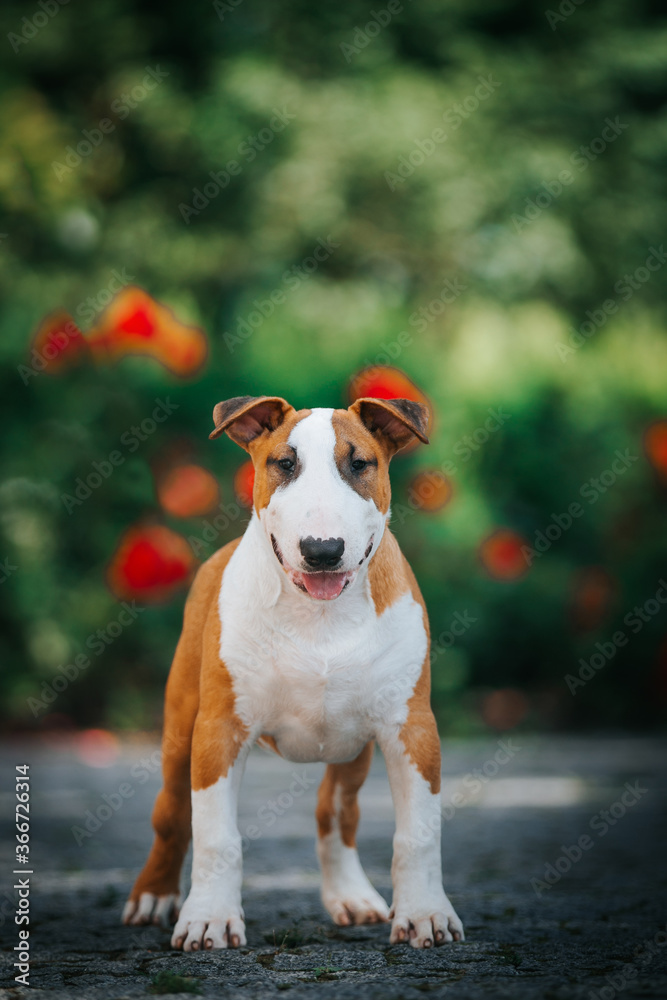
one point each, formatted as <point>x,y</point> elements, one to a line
<point>396,421</point>
<point>245,418</point>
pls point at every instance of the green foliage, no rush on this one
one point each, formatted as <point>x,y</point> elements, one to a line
<point>171,982</point>
<point>326,972</point>
<point>472,244</point>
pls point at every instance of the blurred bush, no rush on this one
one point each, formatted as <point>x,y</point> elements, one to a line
<point>472,192</point>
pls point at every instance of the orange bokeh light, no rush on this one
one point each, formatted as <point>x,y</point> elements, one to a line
<point>58,344</point>
<point>151,564</point>
<point>135,323</point>
<point>594,589</point>
<point>97,747</point>
<point>188,491</point>
<point>384,382</point>
<point>501,555</point>
<point>132,323</point>
<point>244,482</point>
<point>504,709</point>
<point>430,491</point>
<point>655,445</point>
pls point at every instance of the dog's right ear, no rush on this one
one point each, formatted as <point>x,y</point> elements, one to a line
<point>245,418</point>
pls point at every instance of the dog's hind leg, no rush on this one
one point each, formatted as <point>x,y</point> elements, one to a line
<point>347,893</point>
<point>155,895</point>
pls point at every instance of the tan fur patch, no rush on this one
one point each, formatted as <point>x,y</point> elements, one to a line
<point>353,441</point>
<point>348,778</point>
<point>386,574</point>
<point>266,740</point>
<point>272,446</point>
<point>419,733</point>
<point>172,811</point>
<point>390,577</point>
<point>219,733</point>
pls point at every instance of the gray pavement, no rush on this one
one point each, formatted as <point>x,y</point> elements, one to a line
<point>599,930</point>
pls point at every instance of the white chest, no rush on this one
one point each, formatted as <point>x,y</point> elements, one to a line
<point>320,680</point>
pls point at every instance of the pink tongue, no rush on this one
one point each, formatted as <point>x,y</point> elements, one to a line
<point>324,586</point>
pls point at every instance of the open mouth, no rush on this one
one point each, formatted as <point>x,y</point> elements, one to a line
<point>324,586</point>
<point>321,586</point>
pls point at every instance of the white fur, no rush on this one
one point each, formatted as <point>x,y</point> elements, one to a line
<point>322,678</point>
<point>319,502</point>
<point>346,890</point>
<point>416,871</point>
<point>212,913</point>
<point>151,909</point>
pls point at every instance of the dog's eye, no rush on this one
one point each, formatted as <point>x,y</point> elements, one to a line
<point>358,464</point>
<point>286,464</point>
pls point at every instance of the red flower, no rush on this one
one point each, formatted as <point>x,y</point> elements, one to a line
<point>135,323</point>
<point>58,344</point>
<point>594,589</point>
<point>151,564</point>
<point>384,382</point>
<point>430,491</point>
<point>655,445</point>
<point>244,482</point>
<point>187,491</point>
<point>501,555</point>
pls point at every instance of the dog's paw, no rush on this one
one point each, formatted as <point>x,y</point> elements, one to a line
<point>425,925</point>
<point>354,903</point>
<point>151,909</point>
<point>205,925</point>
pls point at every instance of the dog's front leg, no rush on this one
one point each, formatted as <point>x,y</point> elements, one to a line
<point>212,916</point>
<point>421,912</point>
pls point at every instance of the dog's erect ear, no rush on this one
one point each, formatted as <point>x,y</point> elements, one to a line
<point>396,421</point>
<point>244,418</point>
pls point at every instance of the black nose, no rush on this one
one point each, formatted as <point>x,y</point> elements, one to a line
<point>318,553</point>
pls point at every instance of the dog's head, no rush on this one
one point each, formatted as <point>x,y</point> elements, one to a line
<point>322,487</point>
